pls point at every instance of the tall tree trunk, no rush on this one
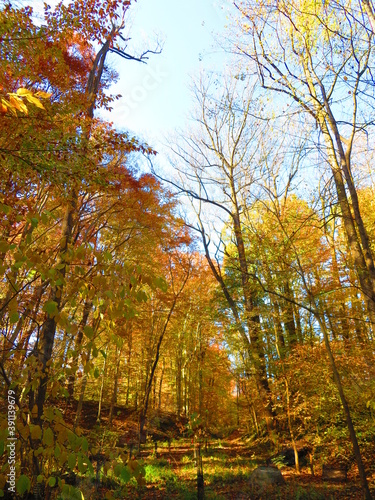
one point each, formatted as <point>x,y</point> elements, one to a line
<point>367,7</point>
<point>186,410</point>
<point>349,421</point>
<point>200,479</point>
<point>21,352</point>
<point>255,342</point>
<point>290,326</point>
<point>358,242</point>
<point>104,375</point>
<point>77,347</point>
<point>276,316</point>
<point>128,367</point>
<point>200,369</point>
<point>178,385</point>
<point>47,337</point>
<point>143,411</point>
<point>81,394</point>
<point>95,326</point>
<point>252,349</point>
<point>160,384</point>
<point>297,315</point>
<point>291,432</point>
<point>115,384</point>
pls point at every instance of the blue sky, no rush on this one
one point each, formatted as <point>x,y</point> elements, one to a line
<point>156,97</point>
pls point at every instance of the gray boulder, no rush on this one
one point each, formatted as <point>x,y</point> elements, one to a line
<point>266,476</point>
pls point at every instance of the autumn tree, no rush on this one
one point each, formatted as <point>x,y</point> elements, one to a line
<point>320,60</point>
<point>57,158</point>
<point>308,263</point>
<point>217,166</point>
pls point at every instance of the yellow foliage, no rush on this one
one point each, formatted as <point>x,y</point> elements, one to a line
<point>16,102</point>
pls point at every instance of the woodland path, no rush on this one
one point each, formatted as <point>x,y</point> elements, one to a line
<point>227,466</point>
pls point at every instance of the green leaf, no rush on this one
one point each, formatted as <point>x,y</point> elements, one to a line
<point>89,332</point>
<point>87,367</point>
<point>141,296</point>
<point>23,484</point>
<point>107,255</point>
<point>5,208</point>
<point>51,481</point>
<point>129,313</point>
<point>57,451</point>
<point>40,478</point>
<point>50,307</point>
<point>125,474</point>
<point>89,465</point>
<point>96,373</point>
<point>161,283</point>
<point>85,445</point>
<point>2,493</point>
<point>65,490</point>
<point>2,447</point>
<point>72,460</point>
<point>117,469</point>
<point>49,414</point>
<point>14,317</point>
<point>48,437</point>
<point>72,438</point>
<point>82,467</point>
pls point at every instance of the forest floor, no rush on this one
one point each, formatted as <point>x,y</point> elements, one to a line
<point>227,465</point>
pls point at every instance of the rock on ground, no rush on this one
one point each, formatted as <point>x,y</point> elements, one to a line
<point>266,476</point>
